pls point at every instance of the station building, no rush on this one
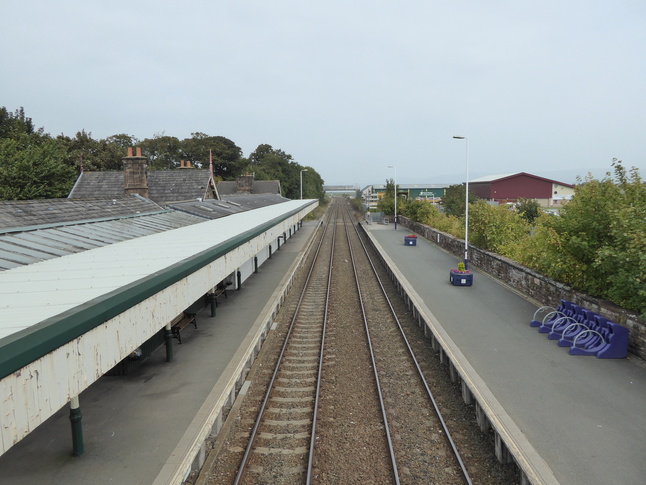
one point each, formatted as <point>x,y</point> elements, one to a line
<point>87,285</point>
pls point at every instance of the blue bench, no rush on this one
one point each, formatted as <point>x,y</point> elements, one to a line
<point>583,331</point>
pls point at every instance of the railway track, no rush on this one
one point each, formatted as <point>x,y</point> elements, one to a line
<point>287,415</point>
<point>339,396</point>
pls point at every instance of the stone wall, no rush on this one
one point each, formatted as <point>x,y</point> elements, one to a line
<point>535,286</point>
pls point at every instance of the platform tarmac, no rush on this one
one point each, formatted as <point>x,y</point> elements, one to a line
<point>133,424</point>
<point>586,417</point>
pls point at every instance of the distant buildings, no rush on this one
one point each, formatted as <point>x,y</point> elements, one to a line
<point>509,188</point>
<point>495,189</point>
<point>372,194</point>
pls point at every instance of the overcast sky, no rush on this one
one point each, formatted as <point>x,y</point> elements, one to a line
<point>556,88</point>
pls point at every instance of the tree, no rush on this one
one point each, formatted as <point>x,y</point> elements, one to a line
<point>162,151</point>
<point>92,155</point>
<point>123,141</point>
<point>259,153</point>
<point>387,202</point>
<point>454,200</point>
<point>226,157</point>
<point>418,210</point>
<point>200,146</point>
<point>597,243</point>
<point>493,227</point>
<point>268,163</point>
<point>17,124</point>
<point>34,171</point>
<point>528,209</point>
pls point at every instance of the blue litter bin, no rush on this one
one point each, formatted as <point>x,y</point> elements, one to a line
<point>410,240</point>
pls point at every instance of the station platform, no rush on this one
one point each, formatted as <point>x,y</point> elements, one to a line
<point>135,425</point>
<point>584,416</point>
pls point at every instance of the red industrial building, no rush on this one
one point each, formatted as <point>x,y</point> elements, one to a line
<point>511,187</point>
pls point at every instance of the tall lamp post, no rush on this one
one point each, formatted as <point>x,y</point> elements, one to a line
<point>304,170</point>
<point>392,166</point>
<point>466,210</point>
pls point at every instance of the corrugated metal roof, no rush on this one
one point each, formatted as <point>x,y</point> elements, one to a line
<point>229,187</point>
<point>61,284</point>
<point>23,213</point>
<point>491,178</point>
<point>230,204</point>
<point>31,245</point>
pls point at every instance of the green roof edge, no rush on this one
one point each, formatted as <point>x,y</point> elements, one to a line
<point>30,344</point>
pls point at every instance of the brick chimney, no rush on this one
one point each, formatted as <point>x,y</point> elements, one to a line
<point>135,176</point>
<point>244,184</point>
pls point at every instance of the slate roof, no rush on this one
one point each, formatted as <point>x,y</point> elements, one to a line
<point>173,185</point>
<point>229,187</point>
<point>164,186</point>
<point>230,204</point>
<point>25,213</point>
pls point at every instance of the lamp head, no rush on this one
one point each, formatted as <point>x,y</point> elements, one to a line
<point>459,137</point>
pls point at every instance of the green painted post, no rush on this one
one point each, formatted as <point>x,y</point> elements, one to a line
<point>77,428</point>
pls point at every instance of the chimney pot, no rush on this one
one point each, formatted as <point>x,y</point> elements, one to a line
<point>135,174</point>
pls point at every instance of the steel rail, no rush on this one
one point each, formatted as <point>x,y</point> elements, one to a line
<point>456,453</point>
<point>263,406</point>
<point>320,369</point>
<point>372,355</point>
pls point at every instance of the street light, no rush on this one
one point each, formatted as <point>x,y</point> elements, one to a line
<point>304,170</point>
<point>466,210</point>
<point>392,166</point>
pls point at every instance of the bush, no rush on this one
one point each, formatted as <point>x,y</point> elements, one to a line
<point>494,227</point>
<point>597,243</point>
